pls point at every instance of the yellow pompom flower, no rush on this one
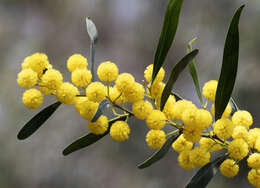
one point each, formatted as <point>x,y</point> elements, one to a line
<point>116,96</point>
<point>189,116</point>
<point>209,89</point>
<point>229,168</point>
<point>50,81</point>
<point>223,128</point>
<point>149,71</point>
<point>156,119</point>
<point>134,92</point>
<point>38,62</point>
<point>253,160</point>
<point>119,131</point>
<point>257,144</point>
<point>180,106</point>
<point>66,93</point>
<point>27,78</point>
<point>32,98</point>
<point>240,132</point>
<point>76,61</point>
<point>192,133</point>
<point>252,137</point>
<point>123,80</point>
<point>142,109</point>
<point>242,117</point>
<point>184,160</point>
<point>225,114</point>
<point>107,71</point>
<point>155,138</point>
<point>81,77</point>
<point>168,108</point>
<point>210,145</point>
<point>204,118</point>
<point>238,149</point>
<point>96,91</point>
<point>156,90</point>
<point>199,157</point>
<point>87,108</point>
<point>100,126</point>
<point>181,144</point>
<point>254,177</point>
<point>79,101</point>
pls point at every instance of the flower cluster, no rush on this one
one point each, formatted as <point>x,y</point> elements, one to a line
<point>199,134</point>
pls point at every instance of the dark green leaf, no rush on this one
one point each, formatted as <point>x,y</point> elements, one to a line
<point>170,24</point>
<point>177,69</point>
<point>193,72</point>
<point>229,66</point>
<point>88,139</point>
<point>205,174</point>
<point>160,153</point>
<point>177,96</point>
<point>101,107</point>
<point>35,123</point>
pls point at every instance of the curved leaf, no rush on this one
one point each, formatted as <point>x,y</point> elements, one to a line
<point>229,66</point>
<point>88,139</point>
<point>234,105</point>
<point>35,123</point>
<point>206,173</point>
<point>177,96</point>
<point>177,69</point>
<point>170,24</point>
<point>160,153</point>
<point>101,107</point>
<point>193,72</point>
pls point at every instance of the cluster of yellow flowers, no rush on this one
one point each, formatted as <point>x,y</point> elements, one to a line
<point>199,134</point>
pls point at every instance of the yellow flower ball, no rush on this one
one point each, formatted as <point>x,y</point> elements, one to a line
<point>156,119</point>
<point>204,118</point>
<point>252,137</point>
<point>81,77</point>
<point>192,133</point>
<point>223,128</point>
<point>116,96</point>
<point>209,89</point>
<point>100,126</point>
<point>149,71</point>
<point>238,149</point>
<point>38,62</point>
<point>27,78</point>
<point>67,93</point>
<point>210,145</point>
<point>155,138</point>
<point>107,71</point>
<point>168,108</point>
<point>96,91</point>
<point>123,80</point>
<point>242,117</point>
<point>181,144</point>
<point>180,106</point>
<point>32,98</point>
<point>199,157</point>
<point>50,81</point>
<point>119,131</point>
<point>257,143</point>
<point>79,101</point>
<point>76,61</point>
<point>229,168</point>
<point>240,132</point>
<point>156,91</point>
<point>189,116</point>
<point>134,92</point>
<point>254,177</point>
<point>87,109</point>
<point>142,109</point>
<point>225,114</point>
<point>253,160</point>
<point>184,160</point>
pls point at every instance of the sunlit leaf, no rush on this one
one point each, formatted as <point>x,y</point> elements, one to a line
<point>37,121</point>
<point>88,139</point>
<point>170,24</point>
<point>103,105</point>
<point>177,69</point>
<point>229,66</point>
<point>160,153</point>
<point>177,96</point>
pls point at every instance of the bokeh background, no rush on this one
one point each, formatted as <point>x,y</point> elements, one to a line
<point>128,35</point>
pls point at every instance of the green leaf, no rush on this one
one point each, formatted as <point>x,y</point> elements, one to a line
<point>229,66</point>
<point>170,24</point>
<point>177,96</point>
<point>89,138</point>
<point>193,72</point>
<point>206,173</point>
<point>160,153</point>
<point>36,122</point>
<point>177,69</point>
<point>101,107</point>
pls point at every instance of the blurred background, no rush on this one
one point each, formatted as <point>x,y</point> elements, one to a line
<point>128,35</point>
